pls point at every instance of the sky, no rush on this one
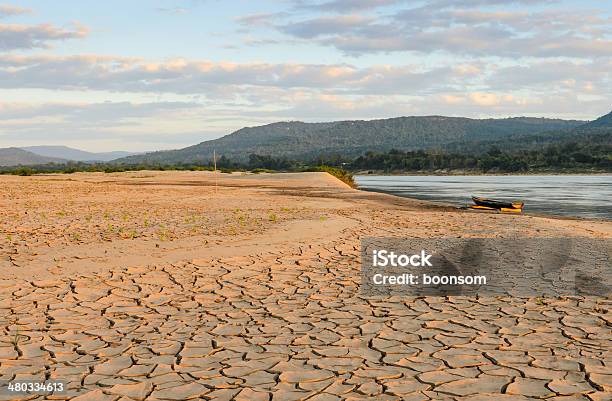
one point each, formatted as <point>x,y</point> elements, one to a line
<point>144,75</point>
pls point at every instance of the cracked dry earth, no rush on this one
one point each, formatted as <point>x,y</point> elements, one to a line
<point>270,309</point>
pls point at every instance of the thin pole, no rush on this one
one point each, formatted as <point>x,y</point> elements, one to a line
<point>215,163</point>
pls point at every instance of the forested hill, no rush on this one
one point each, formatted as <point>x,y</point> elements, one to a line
<point>20,157</point>
<point>601,122</point>
<point>303,141</point>
<point>597,132</point>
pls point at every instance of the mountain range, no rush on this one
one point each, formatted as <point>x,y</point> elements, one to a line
<point>20,157</point>
<point>304,141</point>
<point>33,155</point>
<point>65,152</point>
<point>598,131</point>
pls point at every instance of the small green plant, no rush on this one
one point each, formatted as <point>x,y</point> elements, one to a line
<point>9,237</point>
<point>61,214</point>
<point>76,237</point>
<point>16,338</point>
<point>272,217</point>
<point>163,234</point>
<point>242,220</point>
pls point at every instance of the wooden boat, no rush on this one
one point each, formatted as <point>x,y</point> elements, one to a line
<point>503,209</point>
<point>497,204</point>
<point>491,204</point>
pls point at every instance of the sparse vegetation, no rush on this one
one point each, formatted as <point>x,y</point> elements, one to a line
<point>341,174</point>
<point>16,338</point>
<point>24,171</point>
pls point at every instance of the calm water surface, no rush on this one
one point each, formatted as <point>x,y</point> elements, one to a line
<point>588,196</point>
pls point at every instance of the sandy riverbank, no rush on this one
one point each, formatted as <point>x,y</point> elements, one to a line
<point>82,220</point>
<point>246,285</point>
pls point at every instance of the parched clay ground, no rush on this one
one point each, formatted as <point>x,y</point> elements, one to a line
<point>163,286</point>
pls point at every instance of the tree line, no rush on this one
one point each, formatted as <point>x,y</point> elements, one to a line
<point>571,156</point>
<point>565,157</point>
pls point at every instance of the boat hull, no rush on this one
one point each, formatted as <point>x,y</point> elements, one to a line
<point>495,204</point>
<point>503,209</point>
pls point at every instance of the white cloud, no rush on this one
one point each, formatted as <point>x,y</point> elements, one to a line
<point>208,78</point>
<point>345,5</point>
<point>464,28</point>
<point>9,10</point>
<point>19,36</point>
<point>554,75</point>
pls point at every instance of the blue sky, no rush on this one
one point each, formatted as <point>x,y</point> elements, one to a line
<point>143,75</point>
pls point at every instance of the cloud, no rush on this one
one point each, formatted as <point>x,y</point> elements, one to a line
<point>554,76</point>
<point>81,123</point>
<point>469,35</point>
<point>214,79</point>
<point>173,10</point>
<point>260,19</point>
<point>118,125</point>
<point>345,5</point>
<point>26,36</point>
<point>324,26</point>
<point>488,104</point>
<point>18,36</point>
<point>259,83</point>
<point>321,107</point>
<point>465,27</point>
<point>104,112</point>
<point>9,10</point>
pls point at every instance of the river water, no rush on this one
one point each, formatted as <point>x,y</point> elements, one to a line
<point>588,196</point>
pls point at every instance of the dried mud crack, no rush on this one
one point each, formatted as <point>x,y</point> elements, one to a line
<point>280,318</point>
